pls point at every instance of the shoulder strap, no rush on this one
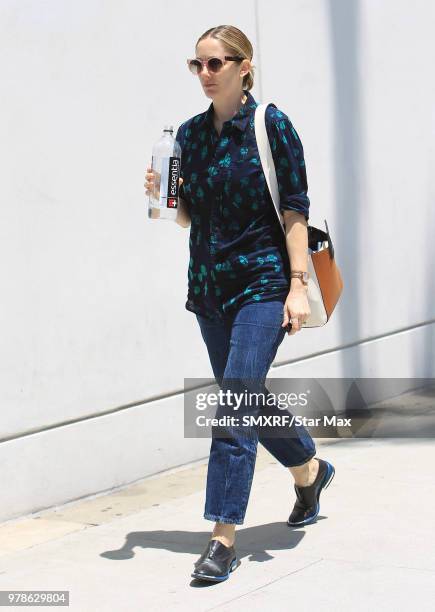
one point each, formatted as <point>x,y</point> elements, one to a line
<point>266,158</point>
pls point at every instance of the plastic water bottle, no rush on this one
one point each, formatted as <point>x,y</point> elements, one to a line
<point>166,161</point>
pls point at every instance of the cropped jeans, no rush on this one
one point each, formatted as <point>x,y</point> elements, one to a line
<point>242,346</point>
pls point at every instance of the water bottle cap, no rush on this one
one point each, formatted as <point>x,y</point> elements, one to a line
<point>168,128</point>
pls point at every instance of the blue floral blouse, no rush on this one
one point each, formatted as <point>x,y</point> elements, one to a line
<point>238,253</point>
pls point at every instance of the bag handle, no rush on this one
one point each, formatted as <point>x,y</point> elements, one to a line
<point>266,158</point>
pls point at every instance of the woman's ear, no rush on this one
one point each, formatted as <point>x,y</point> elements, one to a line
<point>247,67</point>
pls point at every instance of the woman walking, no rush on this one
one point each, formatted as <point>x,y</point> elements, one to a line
<point>247,282</point>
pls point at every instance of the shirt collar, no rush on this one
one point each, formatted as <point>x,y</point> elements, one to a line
<point>241,118</point>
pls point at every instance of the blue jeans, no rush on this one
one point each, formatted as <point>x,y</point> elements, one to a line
<point>243,346</point>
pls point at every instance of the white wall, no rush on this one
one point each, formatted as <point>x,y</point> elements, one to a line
<point>95,338</point>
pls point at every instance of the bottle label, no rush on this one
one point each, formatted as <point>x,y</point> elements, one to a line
<point>173,176</point>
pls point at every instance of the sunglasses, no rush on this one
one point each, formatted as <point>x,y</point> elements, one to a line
<point>214,64</point>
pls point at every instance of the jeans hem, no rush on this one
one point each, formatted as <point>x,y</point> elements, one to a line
<point>223,519</point>
<point>303,462</point>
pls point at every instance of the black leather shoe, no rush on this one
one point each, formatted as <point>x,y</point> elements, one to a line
<point>307,505</point>
<point>216,562</point>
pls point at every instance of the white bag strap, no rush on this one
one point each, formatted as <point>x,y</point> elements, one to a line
<point>266,158</point>
<point>318,314</point>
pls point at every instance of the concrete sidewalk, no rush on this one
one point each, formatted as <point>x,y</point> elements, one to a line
<point>373,545</point>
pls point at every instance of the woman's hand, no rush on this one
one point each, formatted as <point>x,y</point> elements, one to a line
<point>152,185</point>
<point>296,307</point>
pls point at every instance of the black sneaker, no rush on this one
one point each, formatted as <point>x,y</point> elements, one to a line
<point>216,562</point>
<point>307,505</point>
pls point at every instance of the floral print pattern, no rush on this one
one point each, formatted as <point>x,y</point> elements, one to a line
<point>237,249</point>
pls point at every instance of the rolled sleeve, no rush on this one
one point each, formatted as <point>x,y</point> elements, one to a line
<point>288,156</point>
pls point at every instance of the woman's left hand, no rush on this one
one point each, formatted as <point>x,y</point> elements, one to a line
<point>296,307</point>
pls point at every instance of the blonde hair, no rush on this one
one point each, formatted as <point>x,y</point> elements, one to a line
<point>236,43</point>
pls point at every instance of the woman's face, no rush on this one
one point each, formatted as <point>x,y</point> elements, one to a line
<point>228,79</point>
